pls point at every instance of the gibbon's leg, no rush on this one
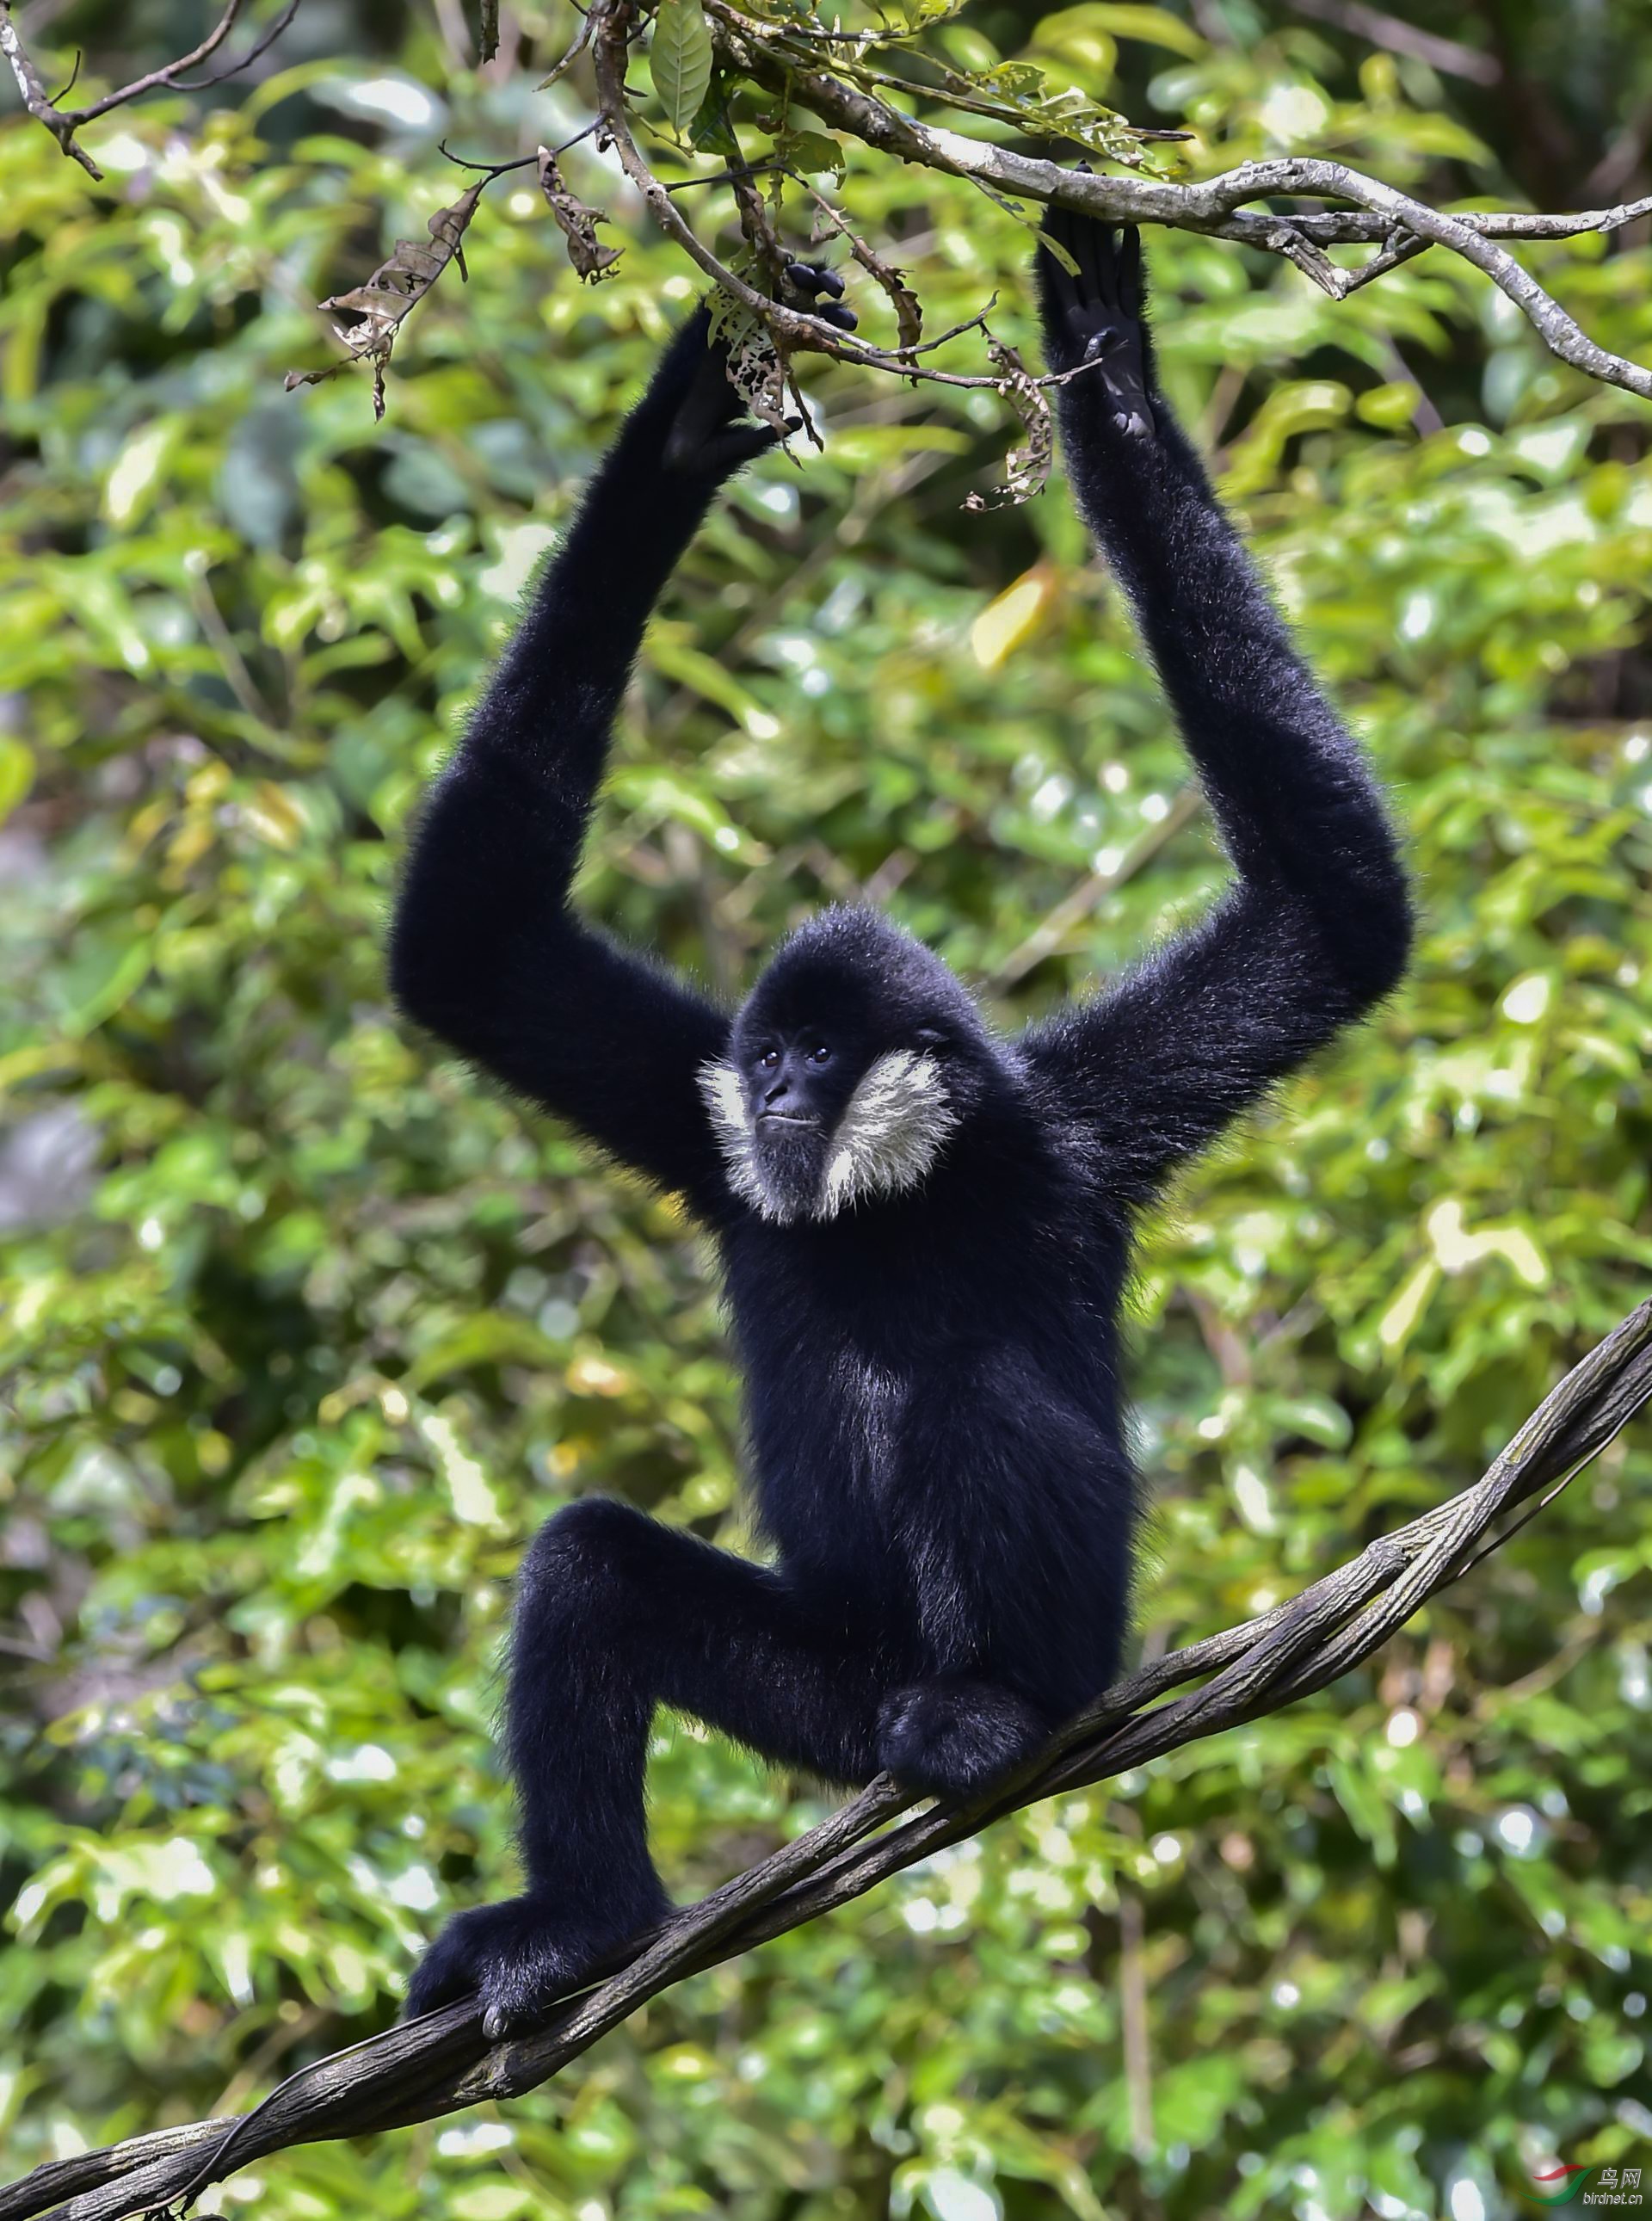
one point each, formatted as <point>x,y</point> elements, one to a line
<point>615,1614</point>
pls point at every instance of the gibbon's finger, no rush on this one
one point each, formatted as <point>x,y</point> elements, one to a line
<point>1061,287</point>
<point>834,312</point>
<point>1092,243</point>
<point>1129,270</point>
<point>740,445</point>
<point>813,277</point>
<point>1095,259</point>
<point>1124,269</point>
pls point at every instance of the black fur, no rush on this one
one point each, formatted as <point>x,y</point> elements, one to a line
<point>931,1378</point>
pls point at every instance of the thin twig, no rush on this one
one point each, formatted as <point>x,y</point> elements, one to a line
<point>63,122</point>
<point>581,40</point>
<point>1449,56</point>
<point>442,2063</point>
<point>258,47</point>
<point>492,170</point>
<point>35,98</point>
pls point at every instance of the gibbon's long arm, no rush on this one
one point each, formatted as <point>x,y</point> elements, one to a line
<point>1317,927</point>
<point>484,949</point>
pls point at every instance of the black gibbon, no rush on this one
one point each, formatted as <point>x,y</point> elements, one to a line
<point>922,1227</point>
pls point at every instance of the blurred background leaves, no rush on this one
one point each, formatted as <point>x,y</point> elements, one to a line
<point>303,1331</point>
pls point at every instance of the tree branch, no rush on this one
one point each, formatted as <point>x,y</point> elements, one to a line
<point>63,122</point>
<point>440,2063</point>
<point>1401,226</point>
<point>1215,206</point>
<point>826,71</point>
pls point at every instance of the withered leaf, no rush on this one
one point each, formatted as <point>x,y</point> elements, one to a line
<point>395,288</point>
<point>755,370</point>
<point>908,310</point>
<point>578,223</point>
<point>1025,469</point>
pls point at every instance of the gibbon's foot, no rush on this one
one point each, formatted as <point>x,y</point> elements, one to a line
<point>952,1738</point>
<point>1093,314</point>
<point>518,1958</point>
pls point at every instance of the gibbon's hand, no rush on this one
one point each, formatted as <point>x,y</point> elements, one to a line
<point>1095,316</point>
<point>810,279</point>
<point>708,439</point>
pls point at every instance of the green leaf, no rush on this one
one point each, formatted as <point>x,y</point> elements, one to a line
<point>711,130</point>
<point>810,152</point>
<point>1155,26</point>
<point>16,774</point>
<point>680,58</point>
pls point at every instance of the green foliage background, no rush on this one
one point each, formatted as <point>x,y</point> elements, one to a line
<point>304,1332</point>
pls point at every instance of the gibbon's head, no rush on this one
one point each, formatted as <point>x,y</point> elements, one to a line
<point>854,1057</point>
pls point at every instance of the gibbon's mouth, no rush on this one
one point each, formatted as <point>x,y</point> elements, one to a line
<point>784,1119</point>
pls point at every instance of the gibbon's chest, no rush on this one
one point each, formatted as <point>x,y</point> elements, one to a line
<point>859,1340</point>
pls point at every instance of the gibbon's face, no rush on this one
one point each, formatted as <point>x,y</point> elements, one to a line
<point>812,1122</point>
<point>800,1079</point>
<point>797,1084</point>
<point>838,1088</point>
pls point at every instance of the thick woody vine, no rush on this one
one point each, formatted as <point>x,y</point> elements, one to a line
<point>442,2063</point>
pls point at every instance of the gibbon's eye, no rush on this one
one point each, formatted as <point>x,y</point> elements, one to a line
<point>820,1054</point>
<point>767,1059</point>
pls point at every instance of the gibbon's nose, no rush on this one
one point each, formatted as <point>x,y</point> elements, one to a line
<point>776,1091</point>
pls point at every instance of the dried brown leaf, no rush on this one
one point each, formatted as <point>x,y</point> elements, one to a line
<point>592,260</point>
<point>395,288</point>
<point>909,310</point>
<point>1025,469</point>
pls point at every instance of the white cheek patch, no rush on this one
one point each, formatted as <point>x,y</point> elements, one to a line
<point>725,1100</point>
<point>892,1128</point>
<point>891,1132</point>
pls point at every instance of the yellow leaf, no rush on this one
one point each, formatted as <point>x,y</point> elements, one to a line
<point>1394,1328</point>
<point>590,1375</point>
<point>136,470</point>
<point>271,812</point>
<point>1004,624</point>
